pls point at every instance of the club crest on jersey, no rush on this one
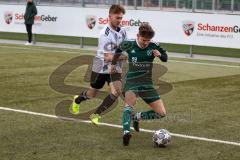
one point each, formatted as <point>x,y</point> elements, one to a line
<point>133,51</point>
<point>134,59</point>
<point>91,21</point>
<point>149,52</point>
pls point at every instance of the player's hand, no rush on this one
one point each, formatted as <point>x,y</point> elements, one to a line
<point>108,57</point>
<point>112,69</point>
<point>156,53</point>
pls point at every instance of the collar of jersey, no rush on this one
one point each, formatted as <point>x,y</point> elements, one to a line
<point>112,29</point>
<point>139,45</point>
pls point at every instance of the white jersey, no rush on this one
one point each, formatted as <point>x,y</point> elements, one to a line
<point>108,42</point>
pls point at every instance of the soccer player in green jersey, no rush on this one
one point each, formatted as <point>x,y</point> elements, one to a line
<point>141,53</point>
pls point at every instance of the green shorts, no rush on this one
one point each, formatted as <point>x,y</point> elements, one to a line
<point>145,91</point>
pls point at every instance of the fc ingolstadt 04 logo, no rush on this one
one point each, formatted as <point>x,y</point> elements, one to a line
<point>188,27</point>
<point>8,16</point>
<point>91,21</point>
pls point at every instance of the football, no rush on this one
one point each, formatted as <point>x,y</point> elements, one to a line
<point>161,138</point>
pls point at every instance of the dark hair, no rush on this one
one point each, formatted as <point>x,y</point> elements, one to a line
<point>146,31</point>
<point>116,9</point>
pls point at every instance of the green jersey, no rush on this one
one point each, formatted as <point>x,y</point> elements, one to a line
<point>139,75</point>
<point>30,12</point>
<point>141,62</point>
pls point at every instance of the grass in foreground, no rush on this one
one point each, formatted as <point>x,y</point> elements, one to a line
<point>204,102</point>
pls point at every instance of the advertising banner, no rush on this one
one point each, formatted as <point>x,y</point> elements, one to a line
<point>216,30</point>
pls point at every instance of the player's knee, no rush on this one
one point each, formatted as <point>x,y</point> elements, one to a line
<point>128,107</point>
<point>116,93</point>
<point>130,102</point>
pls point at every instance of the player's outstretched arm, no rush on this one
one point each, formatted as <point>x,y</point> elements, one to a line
<point>122,57</point>
<point>116,57</point>
<point>160,52</point>
<point>114,62</point>
<point>108,57</point>
<point>164,56</point>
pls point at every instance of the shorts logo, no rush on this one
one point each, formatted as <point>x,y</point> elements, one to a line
<point>8,16</point>
<point>188,27</point>
<point>91,21</point>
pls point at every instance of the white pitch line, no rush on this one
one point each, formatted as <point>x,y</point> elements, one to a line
<point>40,49</point>
<point>175,61</point>
<point>207,64</point>
<point>119,126</point>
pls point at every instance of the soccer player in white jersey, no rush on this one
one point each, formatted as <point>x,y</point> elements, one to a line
<point>111,36</point>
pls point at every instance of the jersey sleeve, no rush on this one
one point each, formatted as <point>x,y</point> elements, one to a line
<point>164,56</point>
<point>34,12</point>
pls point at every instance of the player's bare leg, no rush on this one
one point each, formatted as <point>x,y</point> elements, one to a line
<point>158,107</point>
<point>158,111</point>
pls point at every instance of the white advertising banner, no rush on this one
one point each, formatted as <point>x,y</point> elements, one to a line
<point>49,20</point>
<point>171,27</point>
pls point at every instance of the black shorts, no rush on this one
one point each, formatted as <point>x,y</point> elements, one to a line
<point>98,79</point>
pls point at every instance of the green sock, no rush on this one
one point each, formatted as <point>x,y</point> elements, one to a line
<point>126,119</point>
<point>150,114</point>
